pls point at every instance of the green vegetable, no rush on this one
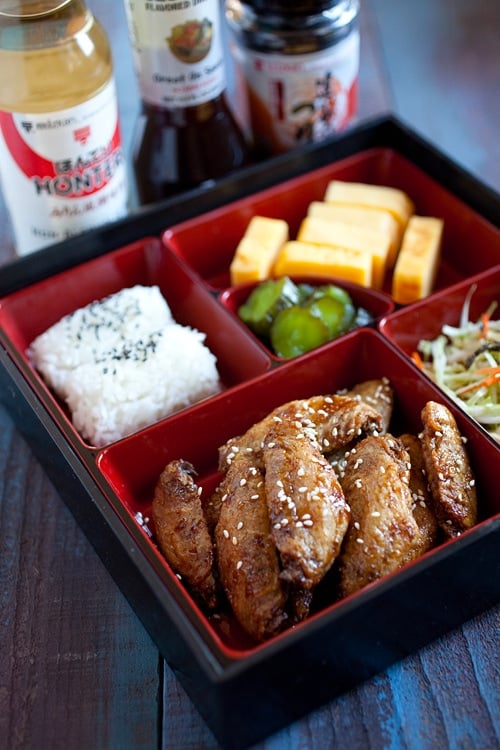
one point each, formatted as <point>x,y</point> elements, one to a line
<point>266,301</point>
<point>342,298</point>
<point>296,331</point>
<point>331,312</point>
<point>295,318</point>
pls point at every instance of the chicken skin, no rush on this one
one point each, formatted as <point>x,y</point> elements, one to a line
<point>182,531</point>
<point>379,394</point>
<point>448,469</point>
<point>423,512</point>
<point>307,509</point>
<point>247,557</point>
<point>383,534</point>
<point>331,421</point>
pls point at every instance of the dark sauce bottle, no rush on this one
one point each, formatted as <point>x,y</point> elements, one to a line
<point>299,63</point>
<point>187,134</point>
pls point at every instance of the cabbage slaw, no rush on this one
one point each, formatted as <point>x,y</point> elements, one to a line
<point>464,361</point>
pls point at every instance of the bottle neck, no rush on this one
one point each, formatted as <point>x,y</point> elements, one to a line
<point>33,9</point>
<point>39,25</point>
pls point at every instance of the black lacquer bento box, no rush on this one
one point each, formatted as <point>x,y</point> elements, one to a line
<point>244,690</point>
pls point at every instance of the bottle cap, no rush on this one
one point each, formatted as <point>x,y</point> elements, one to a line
<point>292,7</point>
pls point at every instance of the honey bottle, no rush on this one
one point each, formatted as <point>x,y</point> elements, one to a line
<point>187,134</point>
<point>61,160</point>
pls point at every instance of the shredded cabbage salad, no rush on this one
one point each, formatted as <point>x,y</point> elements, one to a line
<point>464,360</point>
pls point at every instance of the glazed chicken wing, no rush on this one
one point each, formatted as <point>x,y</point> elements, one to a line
<point>307,509</point>
<point>247,558</point>
<point>449,471</point>
<point>331,421</point>
<point>379,394</point>
<point>383,534</point>
<point>182,532</point>
<point>421,495</point>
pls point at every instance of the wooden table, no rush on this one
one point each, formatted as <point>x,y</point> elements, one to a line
<point>79,671</point>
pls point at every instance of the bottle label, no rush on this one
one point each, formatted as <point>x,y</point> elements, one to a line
<point>178,51</point>
<point>62,172</point>
<point>297,99</point>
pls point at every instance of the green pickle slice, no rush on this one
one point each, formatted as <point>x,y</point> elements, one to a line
<point>295,318</point>
<point>296,331</point>
<point>266,301</point>
<point>335,306</point>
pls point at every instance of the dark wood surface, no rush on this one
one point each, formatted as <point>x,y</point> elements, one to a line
<point>78,670</point>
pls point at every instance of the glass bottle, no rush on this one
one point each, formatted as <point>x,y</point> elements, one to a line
<point>299,62</point>
<point>187,134</point>
<point>61,160</point>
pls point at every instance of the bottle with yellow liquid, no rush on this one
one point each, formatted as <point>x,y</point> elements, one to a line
<point>62,167</point>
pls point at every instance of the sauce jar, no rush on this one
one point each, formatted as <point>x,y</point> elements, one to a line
<point>299,63</point>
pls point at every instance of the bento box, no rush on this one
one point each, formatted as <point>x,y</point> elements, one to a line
<point>247,688</point>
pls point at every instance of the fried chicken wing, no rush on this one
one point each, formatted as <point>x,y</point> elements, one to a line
<point>420,491</point>
<point>383,534</point>
<point>307,509</point>
<point>379,394</point>
<point>448,468</point>
<point>332,421</point>
<point>247,557</point>
<point>182,532</point>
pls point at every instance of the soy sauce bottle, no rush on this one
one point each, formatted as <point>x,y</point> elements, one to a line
<point>187,134</point>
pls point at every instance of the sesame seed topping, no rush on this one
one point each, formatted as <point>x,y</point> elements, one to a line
<point>226,533</point>
<point>239,564</point>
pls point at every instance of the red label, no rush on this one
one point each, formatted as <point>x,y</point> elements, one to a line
<point>68,177</point>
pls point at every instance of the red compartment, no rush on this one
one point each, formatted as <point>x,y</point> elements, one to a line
<point>424,320</point>
<point>470,243</point>
<point>377,303</point>
<point>30,311</point>
<point>131,468</point>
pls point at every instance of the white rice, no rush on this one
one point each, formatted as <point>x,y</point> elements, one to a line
<point>123,363</point>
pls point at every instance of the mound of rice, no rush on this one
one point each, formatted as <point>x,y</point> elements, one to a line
<point>123,363</point>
